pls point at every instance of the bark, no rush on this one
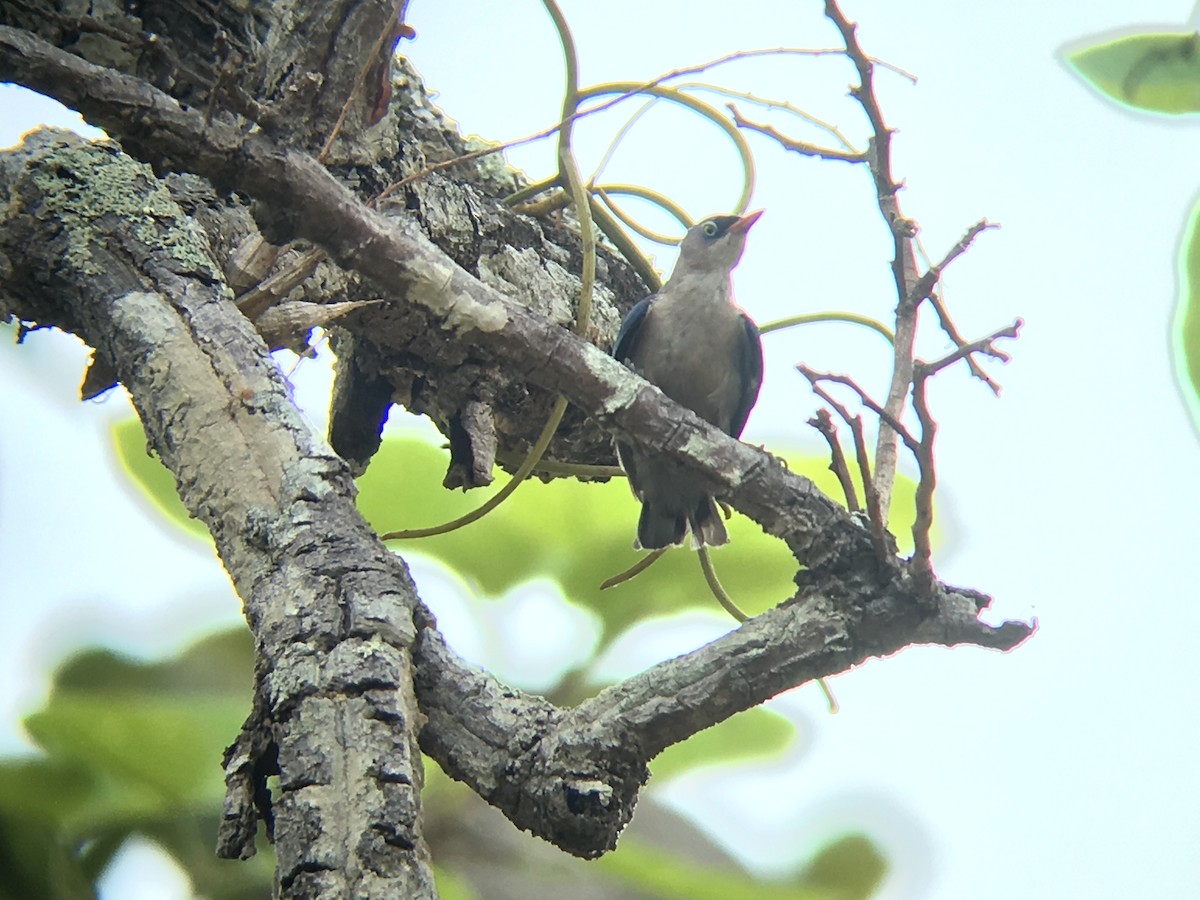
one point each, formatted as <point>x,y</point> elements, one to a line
<point>351,670</point>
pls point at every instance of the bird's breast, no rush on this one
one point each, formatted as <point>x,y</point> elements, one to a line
<point>690,352</point>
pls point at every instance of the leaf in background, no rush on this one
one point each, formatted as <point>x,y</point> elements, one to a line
<point>851,866</point>
<point>149,735</point>
<point>452,886</point>
<point>1152,72</point>
<point>155,481</point>
<point>753,734</point>
<point>132,746</point>
<point>579,534</point>
<point>662,874</point>
<point>1185,329</point>
<point>36,863</point>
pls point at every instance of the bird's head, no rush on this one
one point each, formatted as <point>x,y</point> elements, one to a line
<point>715,244</point>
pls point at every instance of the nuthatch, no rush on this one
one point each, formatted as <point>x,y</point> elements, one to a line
<point>704,353</point>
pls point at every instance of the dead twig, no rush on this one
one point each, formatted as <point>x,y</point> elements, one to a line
<point>875,515</point>
<point>796,146</point>
<point>823,422</point>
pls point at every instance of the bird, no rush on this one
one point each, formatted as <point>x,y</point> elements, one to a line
<point>694,344</point>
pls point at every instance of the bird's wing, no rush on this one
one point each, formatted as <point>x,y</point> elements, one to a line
<point>750,365</point>
<point>627,336</point>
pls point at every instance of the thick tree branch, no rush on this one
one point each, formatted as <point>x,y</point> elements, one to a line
<point>581,768</point>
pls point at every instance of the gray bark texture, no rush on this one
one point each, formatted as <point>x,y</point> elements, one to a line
<point>458,307</point>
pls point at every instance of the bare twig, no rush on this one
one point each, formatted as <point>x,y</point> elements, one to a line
<point>863,397</point>
<point>904,267</point>
<point>984,345</point>
<point>935,300</point>
<point>823,422</point>
<point>875,515</point>
<point>632,91</point>
<point>921,564</point>
<point>767,103</point>
<point>925,286</point>
<point>796,146</point>
<point>775,51</point>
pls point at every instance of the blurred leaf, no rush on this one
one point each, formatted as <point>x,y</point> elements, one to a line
<point>132,747</point>
<point>1186,326</point>
<point>35,863</point>
<point>753,734</point>
<point>42,789</point>
<point>1152,72</point>
<point>164,751</point>
<point>222,662</point>
<point>150,734</point>
<point>662,874</point>
<point>579,534</point>
<point>452,886</point>
<point>155,481</point>
<point>851,866</point>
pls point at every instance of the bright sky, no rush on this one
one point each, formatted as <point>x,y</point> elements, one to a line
<point>1062,769</point>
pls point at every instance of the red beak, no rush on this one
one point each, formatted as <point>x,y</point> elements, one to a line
<point>742,225</point>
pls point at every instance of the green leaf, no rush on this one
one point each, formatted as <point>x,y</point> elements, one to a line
<point>452,886</point>
<point>35,862</point>
<point>144,741</point>
<point>129,746</point>
<point>1152,72</point>
<point>1185,329</point>
<point>851,866</point>
<point>753,734</point>
<point>579,534</point>
<point>42,789</point>
<point>658,873</point>
<point>167,750</point>
<point>154,481</point>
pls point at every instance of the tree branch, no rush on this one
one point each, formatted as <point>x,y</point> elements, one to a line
<point>581,768</point>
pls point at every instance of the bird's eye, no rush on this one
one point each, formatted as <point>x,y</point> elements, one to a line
<point>710,228</point>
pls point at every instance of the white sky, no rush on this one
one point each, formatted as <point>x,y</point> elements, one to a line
<point>1062,769</point>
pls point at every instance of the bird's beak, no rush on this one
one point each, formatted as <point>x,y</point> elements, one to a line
<point>742,225</point>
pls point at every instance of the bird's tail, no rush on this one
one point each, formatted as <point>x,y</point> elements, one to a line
<point>657,529</point>
<point>708,526</point>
